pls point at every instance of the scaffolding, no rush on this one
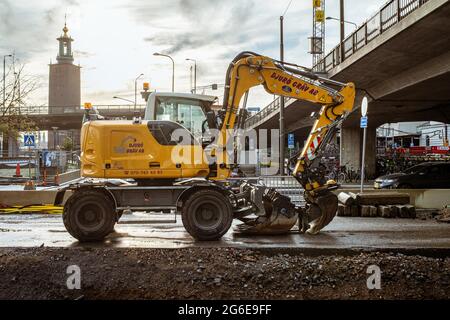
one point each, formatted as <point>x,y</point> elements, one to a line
<point>317,41</point>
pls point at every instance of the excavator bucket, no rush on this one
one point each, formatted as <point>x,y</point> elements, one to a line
<point>319,213</point>
<point>280,216</point>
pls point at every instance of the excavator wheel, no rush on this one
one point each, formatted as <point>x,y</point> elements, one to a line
<point>207,215</point>
<point>89,215</point>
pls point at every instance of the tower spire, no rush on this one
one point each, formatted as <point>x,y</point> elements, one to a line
<point>65,29</point>
<point>65,45</point>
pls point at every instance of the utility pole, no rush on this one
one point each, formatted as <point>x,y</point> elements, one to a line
<point>281,164</point>
<point>342,22</point>
<point>135,90</point>
<point>195,74</point>
<point>173,67</point>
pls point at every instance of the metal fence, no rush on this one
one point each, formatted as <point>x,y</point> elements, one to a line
<point>390,14</point>
<point>57,110</point>
<point>286,185</point>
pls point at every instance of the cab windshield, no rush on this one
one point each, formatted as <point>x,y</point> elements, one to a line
<point>188,113</point>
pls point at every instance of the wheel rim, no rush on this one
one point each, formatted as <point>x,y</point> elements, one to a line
<point>207,215</point>
<point>90,216</point>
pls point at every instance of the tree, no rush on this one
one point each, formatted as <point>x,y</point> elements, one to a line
<point>13,109</point>
<point>67,144</point>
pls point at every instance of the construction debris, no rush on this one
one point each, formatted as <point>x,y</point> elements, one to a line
<point>444,215</point>
<point>375,199</point>
<point>346,199</point>
<point>386,205</point>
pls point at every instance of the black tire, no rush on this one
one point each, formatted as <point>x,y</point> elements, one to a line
<point>207,215</point>
<point>89,215</point>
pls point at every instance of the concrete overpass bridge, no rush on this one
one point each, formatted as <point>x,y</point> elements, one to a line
<point>70,117</point>
<point>400,59</point>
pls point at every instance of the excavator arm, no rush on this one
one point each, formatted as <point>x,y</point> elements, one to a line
<point>334,99</point>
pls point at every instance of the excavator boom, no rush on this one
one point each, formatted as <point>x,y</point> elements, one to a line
<point>335,101</point>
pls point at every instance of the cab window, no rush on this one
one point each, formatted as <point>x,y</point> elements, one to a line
<point>188,113</point>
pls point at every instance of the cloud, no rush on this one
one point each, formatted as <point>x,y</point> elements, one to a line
<point>114,39</point>
<point>26,25</point>
<point>83,54</point>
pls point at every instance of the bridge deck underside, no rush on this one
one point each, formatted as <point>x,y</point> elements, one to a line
<point>406,70</point>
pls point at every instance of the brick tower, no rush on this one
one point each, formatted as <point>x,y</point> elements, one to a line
<point>64,93</point>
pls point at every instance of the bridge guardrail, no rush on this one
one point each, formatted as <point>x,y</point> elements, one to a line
<point>273,106</point>
<point>59,110</point>
<point>389,15</point>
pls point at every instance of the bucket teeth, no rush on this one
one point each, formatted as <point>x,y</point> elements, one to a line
<point>280,216</point>
<point>320,213</point>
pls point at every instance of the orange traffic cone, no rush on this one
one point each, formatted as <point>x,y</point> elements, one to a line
<point>17,175</point>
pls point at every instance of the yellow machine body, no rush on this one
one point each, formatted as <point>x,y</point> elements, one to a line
<point>123,149</point>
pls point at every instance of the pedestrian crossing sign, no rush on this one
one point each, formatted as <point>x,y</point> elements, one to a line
<point>29,141</point>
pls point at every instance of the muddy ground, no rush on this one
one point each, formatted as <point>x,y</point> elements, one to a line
<point>217,273</point>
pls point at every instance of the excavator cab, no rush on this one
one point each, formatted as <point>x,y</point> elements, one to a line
<point>192,111</point>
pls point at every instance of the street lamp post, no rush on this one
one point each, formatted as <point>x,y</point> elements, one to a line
<point>135,90</point>
<point>119,98</point>
<point>282,104</point>
<point>173,67</point>
<point>195,73</point>
<point>344,21</point>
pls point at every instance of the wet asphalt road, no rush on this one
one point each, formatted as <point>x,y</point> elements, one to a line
<point>342,233</point>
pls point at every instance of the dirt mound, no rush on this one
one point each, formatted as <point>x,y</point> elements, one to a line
<point>216,273</point>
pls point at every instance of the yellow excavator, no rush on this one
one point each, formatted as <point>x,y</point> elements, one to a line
<point>163,165</point>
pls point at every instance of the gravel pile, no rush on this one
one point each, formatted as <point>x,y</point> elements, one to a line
<point>217,273</point>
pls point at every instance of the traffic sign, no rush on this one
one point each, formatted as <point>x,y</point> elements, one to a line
<point>29,140</point>
<point>364,122</point>
<point>291,141</point>
<point>364,106</point>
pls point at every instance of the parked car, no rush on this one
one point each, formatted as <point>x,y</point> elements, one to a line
<point>428,175</point>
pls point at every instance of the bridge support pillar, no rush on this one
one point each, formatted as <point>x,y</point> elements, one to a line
<point>351,149</point>
<point>13,147</point>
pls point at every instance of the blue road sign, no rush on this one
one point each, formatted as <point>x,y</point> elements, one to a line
<point>29,141</point>
<point>253,109</point>
<point>291,141</point>
<point>364,122</point>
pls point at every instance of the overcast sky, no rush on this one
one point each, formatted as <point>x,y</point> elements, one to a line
<point>115,39</point>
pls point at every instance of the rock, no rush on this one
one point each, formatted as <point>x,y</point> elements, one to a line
<point>355,211</point>
<point>345,199</point>
<point>355,196</point>
<point>341,210</point>
<point>373,211</point>
<point>394,211</point>
<point>348,211</point>
<point>365,211</point>
<point>384,211</point>
<point>384,198</point>
<point>411,211</point>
